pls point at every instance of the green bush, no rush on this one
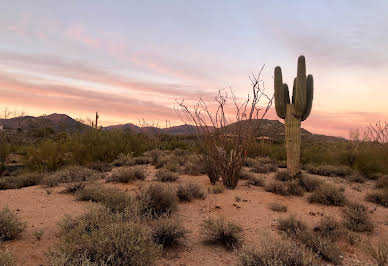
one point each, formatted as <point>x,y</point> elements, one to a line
<point>102,238</point>
<point>189,191</point>
<point>277,253</point>
<point>10,225</point>
<point>356,218</point>
<point>157,200</point>
<point>328,194</point>
<point>168,232</point>
<point>20,181</point>
<point>70,174</point>
<point>228,234</point>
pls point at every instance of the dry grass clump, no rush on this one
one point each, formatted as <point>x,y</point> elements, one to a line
<point>100,166</point>
<point>168,232</point>
<point>356,218</point>
<point>277,207</point>
<point>10,225</point>
<point>114,199</point>
<point>228,234</point>
<point>165,175</point>
<point>309,183</point>
<point>124,160</point>
<point>378,252</point>
<point>157,200</point>
<point>190,191</point>
<point>277,253</point>
<point>379,197</point>
<point>329,170</point>
<point>255,180</point>
<point>328,227</point>
<point>216,189</point>
<point>20,181</point>
<point>102,238</point>
<point>127,174</point>
<point>70,174</point>
<point>328,194</point>
<point>6,258</point>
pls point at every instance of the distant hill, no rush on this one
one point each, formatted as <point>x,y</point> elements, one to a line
<point>57,122</point>
<point>64,123</point>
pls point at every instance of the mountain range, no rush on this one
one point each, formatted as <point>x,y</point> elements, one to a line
<point>64,123</point>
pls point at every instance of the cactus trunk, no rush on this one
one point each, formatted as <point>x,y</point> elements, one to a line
<point>292,137</point>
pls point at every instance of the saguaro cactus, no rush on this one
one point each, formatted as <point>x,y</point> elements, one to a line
<point>295,111</point>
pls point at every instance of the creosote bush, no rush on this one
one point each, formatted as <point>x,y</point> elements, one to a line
<point>70,174</point>
<point>218,230</point>
<point>255,180</point>
<point>285,188</point>
<point>190,191</point>
<point>277,207</point>
<point>379,197</point>
<point>277,253</point>
<point>20,181</point>
<point>127,174</point>
<point>328,194</point>
<point>329,170</point>
<point>309,183</point>
<point>10,225</point>
<point>292,226</point>
<point>328,227</point>
<point>157,200</point>
<point>165,175</point>
<point>102,238</point>
<point>168,232</point>
<point>283,176</point>
<point>356,218</point>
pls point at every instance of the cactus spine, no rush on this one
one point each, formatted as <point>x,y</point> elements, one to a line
<point>295,111</point>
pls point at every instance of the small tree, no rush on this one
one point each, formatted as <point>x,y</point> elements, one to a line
<point>224,134</point>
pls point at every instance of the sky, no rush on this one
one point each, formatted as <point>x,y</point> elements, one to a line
<point>130,60</point>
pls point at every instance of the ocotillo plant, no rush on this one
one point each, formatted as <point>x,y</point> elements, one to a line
<point>295,111</point>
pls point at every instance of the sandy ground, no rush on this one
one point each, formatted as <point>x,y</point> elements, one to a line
<point>43,211</point>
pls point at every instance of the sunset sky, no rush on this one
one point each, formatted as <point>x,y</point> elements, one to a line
<point>130,60</point>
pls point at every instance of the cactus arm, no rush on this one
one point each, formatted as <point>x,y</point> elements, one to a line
<point>293,91</point>
<point>300,90</point>
<point>286,95</point>
<point>280,104</point>
<point>309,97</point>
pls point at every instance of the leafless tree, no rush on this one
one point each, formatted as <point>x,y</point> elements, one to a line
<point>224,134</point>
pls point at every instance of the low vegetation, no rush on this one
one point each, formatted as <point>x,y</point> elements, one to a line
<point>218,230</point>
<point>6,257</point>
<point>165,175</point>
<point>378,252</point>
<point>329,170</point>
<point>10,225</point>
<point>168,232</point>
<point>20,181</point>
<point>328,194</point>
<point>70,174</point>
<point>379,197</point>
<point>285,188</point>
<point>190,191</point>
<point>127,174</point>
<point>255,180</point>
<point>277,207</point>
<point>216,189</point>
<point>356,218</point>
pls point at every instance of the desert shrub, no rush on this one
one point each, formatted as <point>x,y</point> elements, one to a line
<point>245,173</point>
<point>194,166</point>
<point>10,225</point>
<point>328,227</point>
<point>157,200</point>
<point>70,174</point>
<point>292,226</point>
<point>124,160</point>
<point>20,181</point>
<point>164,175</point>
<point>382,182</point>
<point>39,234</point>
<point>101,238</point>
<point>277,253</point>
<point>46,156</point>
<point>142,159</point>
<point>155,155</point>
<point>282,164</point>
<point>216,189</point>
<point>114,199</point>
<point>127,174</point>
<point>100,166</point>
<point>357,178</point>
<point>173,167</point>
<point>168,232</point>
<point>264,165</point>
<point>250,162</point>
<point>328,194</point>
<point>309,183</point>
<point>277,188</point>
<point>378,197</point>
<point>189,191</point>
<point>329,170</point>
<point>255,180</point>
<point>378,252</point>
<point>356,218</point>
<point>283,176</point>
<point>6,258</point>
<point>228,234</point>
<point>294,188</point>
<point>74,187</point>
<point>277,207</point>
